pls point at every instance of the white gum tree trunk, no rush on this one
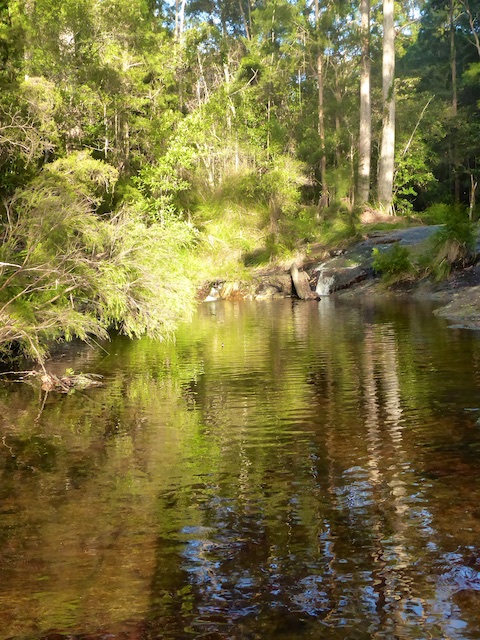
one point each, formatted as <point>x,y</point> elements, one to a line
<point>321,113</point>
<point>365,135</point>
<point>387,151</point>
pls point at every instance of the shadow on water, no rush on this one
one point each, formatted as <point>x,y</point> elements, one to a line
<point>285,470</point>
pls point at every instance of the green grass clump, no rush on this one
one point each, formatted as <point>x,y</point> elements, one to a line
<point>453,246</point>
<point>301,227</point>
<point>437,213</point>
<point>394,265</point>
<point>339,231</point>
<point>228,232</point>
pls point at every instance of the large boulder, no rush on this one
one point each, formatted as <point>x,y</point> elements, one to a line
<point>274,285</point>
<point>355,264</point>
<point>336,278</point>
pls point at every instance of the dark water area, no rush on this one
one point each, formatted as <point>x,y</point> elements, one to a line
<point>285,470</point>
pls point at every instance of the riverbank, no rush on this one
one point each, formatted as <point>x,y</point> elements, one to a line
<point>457,296</point>
<point>348,273</point>
<point>457,299</point>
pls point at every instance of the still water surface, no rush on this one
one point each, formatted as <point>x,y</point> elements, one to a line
<point>284,471</point>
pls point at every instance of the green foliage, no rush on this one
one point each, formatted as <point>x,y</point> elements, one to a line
<point>275,185</point>
<point>339,229</point>
<point>472,74</point>
<point>301,227</point>
<point>254,216</point>
<point>458,227</point>
<point>453,245</point>
<point>28,130</point>
<point>413,171</point>
<point>437,213</point>
<point>229,230</point>
<point>250,69</point>
<point>66,272</point>
<point>144,287</point>
<point>395,265</point>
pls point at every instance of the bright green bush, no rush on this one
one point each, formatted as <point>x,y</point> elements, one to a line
<point>251,217</point>
<point>394,265</point>
<point>454,244</point>
<point>301,227</point>
<point>339,230</point>
<point>66,271</point>
<point>437,213</point>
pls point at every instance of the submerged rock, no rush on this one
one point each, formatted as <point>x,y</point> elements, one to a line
<point>262,287</point>
<point>49,381</point>
<point>463,311</point>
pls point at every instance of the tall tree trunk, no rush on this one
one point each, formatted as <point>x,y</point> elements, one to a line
<point>321,132</point>
<point>472,196</point>
<point>321,114</point>
<point>29,9</point>
<point>453,59</point>
<point>246,22</point>
<point>365,135</point>
<point>453,68</point>
<point>387,151</point>
<point>179,18</point>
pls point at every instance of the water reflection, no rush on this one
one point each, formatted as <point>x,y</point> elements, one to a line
<point>286,470</point>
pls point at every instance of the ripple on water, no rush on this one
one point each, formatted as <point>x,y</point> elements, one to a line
<point>283,471</point>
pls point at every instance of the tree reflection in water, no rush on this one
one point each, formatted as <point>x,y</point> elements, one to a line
<point>284,471</point>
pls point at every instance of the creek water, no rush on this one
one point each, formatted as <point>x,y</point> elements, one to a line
<point>284,470</point>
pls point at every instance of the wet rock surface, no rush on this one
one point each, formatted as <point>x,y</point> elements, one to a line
<point>332,279</point>
<point>457,297</point>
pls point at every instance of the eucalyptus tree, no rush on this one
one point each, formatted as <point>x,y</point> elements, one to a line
<point>112,65</point>
<point>233,17</point>
<point>365,130</point>
<point>387,149</point>
<point>320,59</point>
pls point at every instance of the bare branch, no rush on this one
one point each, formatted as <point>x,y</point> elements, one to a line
<point>410,140</point>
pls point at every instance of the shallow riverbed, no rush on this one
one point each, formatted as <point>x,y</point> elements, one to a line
<point>285,470</point>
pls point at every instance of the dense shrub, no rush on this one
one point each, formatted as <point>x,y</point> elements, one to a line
<point>66,271</point>
<point>453,245</point>
<point>395,265</point>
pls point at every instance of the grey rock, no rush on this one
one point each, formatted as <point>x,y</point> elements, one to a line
<point>334,279</point>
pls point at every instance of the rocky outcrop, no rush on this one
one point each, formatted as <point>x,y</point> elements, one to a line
<point>313,280</point>
<point>268,285</point>
<point>355,264</point>
<point>273,285</point>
